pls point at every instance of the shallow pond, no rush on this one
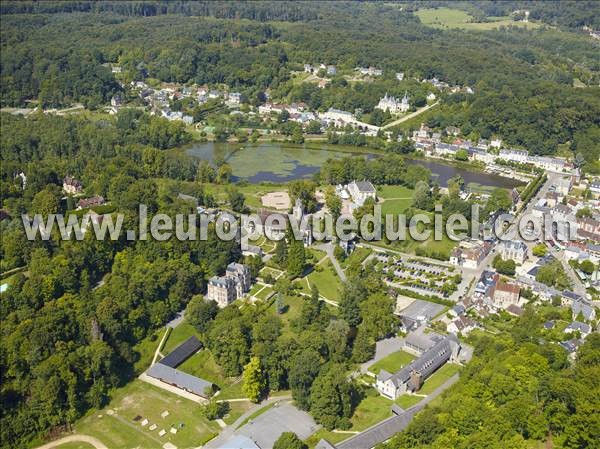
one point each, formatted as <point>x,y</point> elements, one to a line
<point>282,162</point>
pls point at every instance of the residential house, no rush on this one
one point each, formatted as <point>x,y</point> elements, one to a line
<point>515,310</point>
<point>505,294</point>
<point>588,228</point>
<point>496,143</point>
<point>581,306</point>
<point>548,163</point>
<point>469,253</point>
<point>461,325</point>
<point>519,156</point>
<point>234,98</point>
<point>85,203</point>
<point>72,186</point>
<point>452,131</point>
<point>399,76</point>
<point>577,326</point>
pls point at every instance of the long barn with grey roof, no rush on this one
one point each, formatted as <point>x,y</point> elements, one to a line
<point>179,379</point>
<point>182,352</point>
<point>165,370</point>
<point>411,377</point>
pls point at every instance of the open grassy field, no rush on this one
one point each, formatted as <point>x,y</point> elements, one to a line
<point>326,280</point>
<point>394,192</point>
<point>408,400</point>
<point>395,207</point>
<point>392,362</point>
<point>75,445</point>
<point>370,411</point>
<point>115,426</point>
<point>456,18</point>
<point>439,377</point>
<point>357,256</point>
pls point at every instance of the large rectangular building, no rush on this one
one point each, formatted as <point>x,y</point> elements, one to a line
<point>410,378</point>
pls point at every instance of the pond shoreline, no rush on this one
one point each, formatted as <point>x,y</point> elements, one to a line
<point>281,161</point>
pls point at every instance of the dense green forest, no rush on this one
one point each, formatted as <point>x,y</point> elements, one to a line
<point>67,339</point>
<point>522,78</point>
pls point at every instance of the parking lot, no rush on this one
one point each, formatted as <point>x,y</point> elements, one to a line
<point>283,417</point>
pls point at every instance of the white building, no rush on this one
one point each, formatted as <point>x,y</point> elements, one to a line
<point>338,115</point>
<point>372,71</point>
<point>519,156</point>
<point>361,190</point>
<point>393,105</point>
<point>399,76</point>
<point>513,249</point>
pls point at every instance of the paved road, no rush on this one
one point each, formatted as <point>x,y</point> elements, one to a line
<point>75,439</point>
<point>409,116</point>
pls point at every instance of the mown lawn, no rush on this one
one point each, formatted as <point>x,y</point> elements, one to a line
<point>326,281</point>
<point>75,445</point>
<point>332,437</point>
<point>439,377</point>
<point>118,429</point>
<point>370,411</point>
<point>395,207</point>
<point>392,362</point>
<point>177,336</point>
<point>407,400</point>
<point>236,409</point>
<point>357,256</point>
<point>394,192</point>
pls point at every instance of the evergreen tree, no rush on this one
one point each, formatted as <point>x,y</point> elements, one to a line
<point>304,368</point>
<point>364,346</point>
<point>281,253</point>
<point>296,258</point>
<point>280,303</point>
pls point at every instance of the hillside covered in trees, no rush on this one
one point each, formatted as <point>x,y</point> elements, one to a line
<point>57,53</point>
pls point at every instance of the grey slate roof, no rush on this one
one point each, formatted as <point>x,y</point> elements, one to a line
<point>581,307</point>
<point>181,352</point>
<point>179,379</point>
<point>425,365</point>
<point>365,186</point>
<point>378,433</point>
